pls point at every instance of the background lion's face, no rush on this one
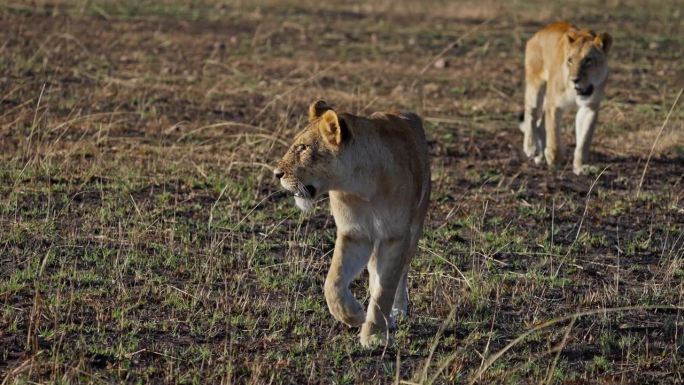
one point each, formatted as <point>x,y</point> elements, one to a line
<point>586,61</point>
<point>306,167</point>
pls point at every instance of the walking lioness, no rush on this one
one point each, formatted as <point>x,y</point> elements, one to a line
<point>377,173</point>
<point>564,67</point>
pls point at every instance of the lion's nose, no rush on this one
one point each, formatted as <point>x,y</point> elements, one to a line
<point>278,173</point>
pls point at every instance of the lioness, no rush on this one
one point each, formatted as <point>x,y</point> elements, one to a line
<point>377,173</point>
<point>564,66</point>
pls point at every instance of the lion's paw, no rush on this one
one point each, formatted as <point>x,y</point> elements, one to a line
<point>585,169</point>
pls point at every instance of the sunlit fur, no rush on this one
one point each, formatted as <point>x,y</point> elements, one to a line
<point>376,171</point>
<point>564,67</point>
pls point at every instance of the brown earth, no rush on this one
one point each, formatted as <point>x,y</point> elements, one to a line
<point>143,238</point>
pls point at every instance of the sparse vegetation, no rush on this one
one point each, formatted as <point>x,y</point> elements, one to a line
<point>143,238</point>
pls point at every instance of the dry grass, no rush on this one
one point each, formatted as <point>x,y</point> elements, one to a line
<point>144,240</point>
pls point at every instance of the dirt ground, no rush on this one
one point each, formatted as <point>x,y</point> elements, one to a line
<point>143,238</point>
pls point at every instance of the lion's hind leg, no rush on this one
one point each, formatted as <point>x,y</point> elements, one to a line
<point>385,269</point>
<point>401,298</point>
<point>540,140</point>
<point>535,91</point>
<point>533,117</point>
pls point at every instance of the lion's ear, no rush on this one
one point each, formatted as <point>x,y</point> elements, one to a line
<point>317,108</point>
<point>571,34</point>
<point>603,41</point>
<point>332,131</point>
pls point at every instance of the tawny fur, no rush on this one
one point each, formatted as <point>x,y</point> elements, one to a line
<point>376,171</point>
<point>564,67</point>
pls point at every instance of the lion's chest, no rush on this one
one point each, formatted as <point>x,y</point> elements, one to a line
<point>570,99</point>
<point>374,220</point>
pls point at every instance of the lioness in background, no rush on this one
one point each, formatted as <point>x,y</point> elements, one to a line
<point>377,173</point>
<point>564,67</point>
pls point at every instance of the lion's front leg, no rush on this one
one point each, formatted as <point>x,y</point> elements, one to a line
<point>349,258</point>
<point>386,269</point>
<point>585,123</point>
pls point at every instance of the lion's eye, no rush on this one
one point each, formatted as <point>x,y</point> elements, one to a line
<point>569,61</point>
<point>588,61</point>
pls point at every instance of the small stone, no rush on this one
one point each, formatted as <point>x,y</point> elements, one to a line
<point>441,63</point>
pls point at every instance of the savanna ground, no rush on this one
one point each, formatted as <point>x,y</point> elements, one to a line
<point>143,238</point>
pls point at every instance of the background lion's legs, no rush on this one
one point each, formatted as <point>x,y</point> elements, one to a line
<point>534,100</point>
<point>554,146</point>
<point>585,123</point>
<point>540,139</point>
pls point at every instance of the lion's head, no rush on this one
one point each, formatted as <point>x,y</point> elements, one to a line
<point>310,165</point>
<point>585,57</point>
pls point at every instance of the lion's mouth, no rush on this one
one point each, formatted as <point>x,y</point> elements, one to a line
<point>586,91</point>
<point>308,192</point>
<point>304,197</point>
